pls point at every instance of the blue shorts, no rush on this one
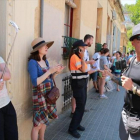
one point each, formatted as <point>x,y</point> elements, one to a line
<point>94,76</point>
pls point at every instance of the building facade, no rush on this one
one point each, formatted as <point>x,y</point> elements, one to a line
<point>62,21</point>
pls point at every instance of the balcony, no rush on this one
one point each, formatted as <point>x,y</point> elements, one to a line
<point>68,41</point>
<point>98,47</point>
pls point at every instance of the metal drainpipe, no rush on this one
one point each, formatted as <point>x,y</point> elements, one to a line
<point>41,17</point>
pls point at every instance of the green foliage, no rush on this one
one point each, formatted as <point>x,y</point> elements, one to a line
<point>129,46</point>
<point>134,10</point>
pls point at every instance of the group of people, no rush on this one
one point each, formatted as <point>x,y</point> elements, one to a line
<point>100,69</point>
<point>42,78</point>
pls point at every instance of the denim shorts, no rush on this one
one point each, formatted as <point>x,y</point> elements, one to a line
<point>94,76</point>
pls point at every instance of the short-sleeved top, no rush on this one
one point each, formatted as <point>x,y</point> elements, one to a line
<point>75,64</point>
<point>86,58</point>
<point>103,61</point>
<point>97,63</point>
<point>4,98</point>
<point>35,71</point>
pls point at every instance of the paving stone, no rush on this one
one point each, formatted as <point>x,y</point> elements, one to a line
<point>101,122</point>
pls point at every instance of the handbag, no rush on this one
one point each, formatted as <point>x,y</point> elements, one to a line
<point>133,120</point>
<point>121,65</point>
<point>133,124</point>
<point>53,95</point>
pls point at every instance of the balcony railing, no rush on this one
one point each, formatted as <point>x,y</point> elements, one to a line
<point>68,41</point>
<point>98,47</point>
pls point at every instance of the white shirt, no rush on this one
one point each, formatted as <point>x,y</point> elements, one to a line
<point>4,98</point>
<point>86,58</point>
<point>97,63</point>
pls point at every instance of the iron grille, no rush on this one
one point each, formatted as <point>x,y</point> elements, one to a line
<point>67,93</point>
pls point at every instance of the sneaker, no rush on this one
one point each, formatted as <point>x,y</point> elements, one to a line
<point>75,134</point>
<point>103,96</point>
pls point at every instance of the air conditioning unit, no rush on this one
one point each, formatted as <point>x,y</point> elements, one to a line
<point>114,15</point>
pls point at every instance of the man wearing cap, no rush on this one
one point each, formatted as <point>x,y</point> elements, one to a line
<point>131,82</point>
<point>129,128</point>
<point>79,72</point>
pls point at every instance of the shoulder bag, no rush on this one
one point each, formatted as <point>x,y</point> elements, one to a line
<point>52,96</point>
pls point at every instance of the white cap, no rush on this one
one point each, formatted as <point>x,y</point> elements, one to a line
<point>114,52</point>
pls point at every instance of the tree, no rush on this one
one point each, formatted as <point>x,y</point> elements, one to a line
<point>134,10</point>
<point>129,46</point>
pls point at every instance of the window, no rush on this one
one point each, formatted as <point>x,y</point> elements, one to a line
<point>68,21</point>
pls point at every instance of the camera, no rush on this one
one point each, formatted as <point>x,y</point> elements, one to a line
<point>121,65</point>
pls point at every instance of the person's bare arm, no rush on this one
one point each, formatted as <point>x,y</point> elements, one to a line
<point>83,66</point>
<point>58,71</point>
<point>106,68</point>
<point>83,63</point>
<point>128,62</point>
<point>7,74</point>
<point>91,62</point>
<point>114,78</point>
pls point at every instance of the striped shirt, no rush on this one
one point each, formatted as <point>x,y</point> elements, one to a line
<point>75,65</point>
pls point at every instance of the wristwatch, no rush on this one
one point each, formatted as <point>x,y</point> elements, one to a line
<point>134,89</point>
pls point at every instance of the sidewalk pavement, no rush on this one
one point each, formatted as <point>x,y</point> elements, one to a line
<point>101,122</point>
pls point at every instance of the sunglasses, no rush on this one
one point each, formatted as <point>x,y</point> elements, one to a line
<point>137,37</point>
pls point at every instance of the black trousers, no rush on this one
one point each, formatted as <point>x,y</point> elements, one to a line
<point>8,123</point>
<point>80,95</point>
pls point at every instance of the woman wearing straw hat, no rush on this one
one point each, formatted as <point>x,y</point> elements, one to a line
<point>41,76</point>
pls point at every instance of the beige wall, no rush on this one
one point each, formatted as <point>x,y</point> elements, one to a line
<point>104,3</point>
<point>77,19</point>
<point>88,21</point>
<point>23,13</point>
<point>3,29</point>
<point>53,29</point>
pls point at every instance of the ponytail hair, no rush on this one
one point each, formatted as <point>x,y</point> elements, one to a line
<point>71,53</point>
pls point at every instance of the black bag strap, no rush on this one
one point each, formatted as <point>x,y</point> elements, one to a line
<point>130,66</point>
<point>54,82</point>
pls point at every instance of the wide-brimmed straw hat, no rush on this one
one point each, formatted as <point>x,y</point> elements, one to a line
<point>40,42</point>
